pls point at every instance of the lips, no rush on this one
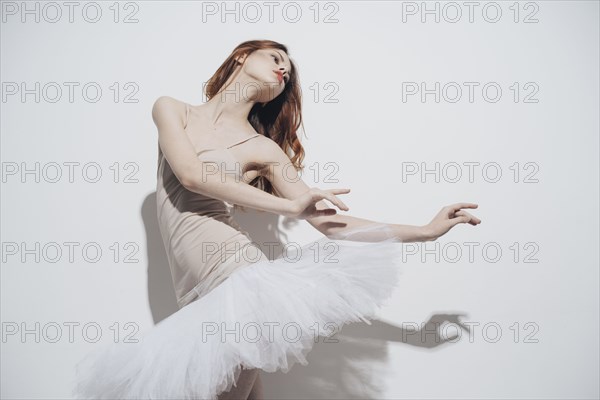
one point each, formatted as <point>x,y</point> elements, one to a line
<point>279,76</point>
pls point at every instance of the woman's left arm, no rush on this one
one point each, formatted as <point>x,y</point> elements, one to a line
<point>339,226</point>
<point>288,184</point>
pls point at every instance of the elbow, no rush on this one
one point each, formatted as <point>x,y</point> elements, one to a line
<point>189,183</point>
<point>197,185</point>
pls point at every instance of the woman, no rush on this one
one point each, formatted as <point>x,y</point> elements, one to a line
<point>237,149</point>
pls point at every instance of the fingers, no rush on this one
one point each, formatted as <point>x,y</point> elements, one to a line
<point>463,219</point>
<point>329,194</point>
<point>341,205</point>
<point>339,191</point>
<point>454,210</point>
<point>339,202</point>
<point>466,217</point>
<point>458,206</point>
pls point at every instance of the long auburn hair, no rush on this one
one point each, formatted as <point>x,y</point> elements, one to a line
<point>280,119</point>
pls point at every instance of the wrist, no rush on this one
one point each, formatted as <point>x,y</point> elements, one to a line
<point>412,233</point>
<point>425,233</point>
<point>288,208</point>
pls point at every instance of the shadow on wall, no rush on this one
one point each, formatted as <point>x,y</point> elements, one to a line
<point>350,364</point>
<point>353,363</point>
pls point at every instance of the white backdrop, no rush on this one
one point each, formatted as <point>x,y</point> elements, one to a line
<point>528,289</point>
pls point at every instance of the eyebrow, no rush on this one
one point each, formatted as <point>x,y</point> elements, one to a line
<point>283,59</point>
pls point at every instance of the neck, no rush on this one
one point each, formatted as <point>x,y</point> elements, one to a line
<point>228,113</point>
<point>230,107</point>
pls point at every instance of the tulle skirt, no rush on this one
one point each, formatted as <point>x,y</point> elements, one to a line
<point>265,315</point>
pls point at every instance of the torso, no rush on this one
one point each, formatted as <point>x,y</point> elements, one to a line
<point>205,137</point>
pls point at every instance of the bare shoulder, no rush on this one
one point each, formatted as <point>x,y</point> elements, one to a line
<point>166,108</point>
<point>268,152</point>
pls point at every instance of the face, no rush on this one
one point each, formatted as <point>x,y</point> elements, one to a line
<point>260,68</point>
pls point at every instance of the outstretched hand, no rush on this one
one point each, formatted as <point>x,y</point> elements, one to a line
<point>449,217</point>
<point>304,206</point>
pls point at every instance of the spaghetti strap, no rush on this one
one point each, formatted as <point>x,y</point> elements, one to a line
<point>243,140</point>
<point>187,115</point>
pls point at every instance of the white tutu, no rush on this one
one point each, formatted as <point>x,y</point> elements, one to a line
<point>266,315</point>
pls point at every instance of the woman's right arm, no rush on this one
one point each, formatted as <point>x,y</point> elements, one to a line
<point>169,116</point>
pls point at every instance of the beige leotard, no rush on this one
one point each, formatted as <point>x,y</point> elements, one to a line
<point>204,245</point>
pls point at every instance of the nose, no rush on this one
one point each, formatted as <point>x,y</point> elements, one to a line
<point>284,72</point>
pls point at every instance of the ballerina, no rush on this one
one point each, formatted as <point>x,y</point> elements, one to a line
<point>240,149</point>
